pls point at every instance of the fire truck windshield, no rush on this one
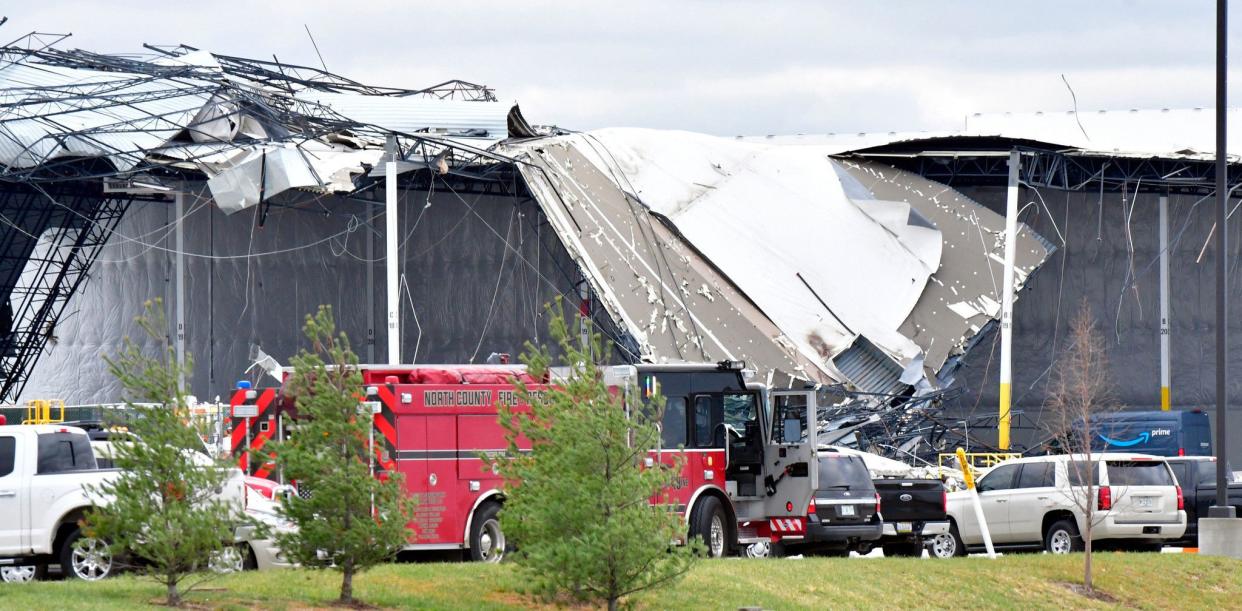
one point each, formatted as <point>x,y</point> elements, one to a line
<point>705,421</point>
<point>740,410</point>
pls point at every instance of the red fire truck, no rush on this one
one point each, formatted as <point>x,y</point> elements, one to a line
<point>748,473</point>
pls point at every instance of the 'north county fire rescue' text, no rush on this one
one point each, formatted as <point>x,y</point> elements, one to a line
<point>473,398</point>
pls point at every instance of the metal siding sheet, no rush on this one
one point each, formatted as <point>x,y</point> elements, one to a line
<point>956,304</point>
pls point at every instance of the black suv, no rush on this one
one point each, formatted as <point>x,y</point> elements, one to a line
<point>845,511</point>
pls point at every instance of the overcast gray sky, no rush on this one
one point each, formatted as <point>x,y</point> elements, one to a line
<point>719,67</point>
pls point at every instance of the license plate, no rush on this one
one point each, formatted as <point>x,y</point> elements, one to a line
<point>1144,502</point>
<point>904,527</point>
<point>847,510</point>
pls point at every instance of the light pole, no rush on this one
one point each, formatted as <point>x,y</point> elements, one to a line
<point>1221,510</point>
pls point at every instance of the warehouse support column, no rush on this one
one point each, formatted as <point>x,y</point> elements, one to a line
<point>1006,365</point>
<point>1164,303</point>
<point>370,243</point>
<point>179,211</point>
<point>391,261</point>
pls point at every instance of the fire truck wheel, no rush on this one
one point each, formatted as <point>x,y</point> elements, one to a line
<point>487,540</point>
<point>707,522</point>
<point>765,549</point>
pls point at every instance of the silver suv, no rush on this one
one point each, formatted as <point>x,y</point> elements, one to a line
<point>1036,502</point>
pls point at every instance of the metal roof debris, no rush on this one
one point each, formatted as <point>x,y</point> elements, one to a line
<point>809,265</point>
<point>254,128</point>
<point>842,270</point>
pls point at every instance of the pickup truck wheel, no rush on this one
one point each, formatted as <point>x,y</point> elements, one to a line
<point>707,522</point>
<point>249,561</point>
<point>24,573</point>
<point>229,559</point>
<point>947,545</point>
<point>903,550</point>
<point>85,558</point>
<point>1062,538</point>
<point>487,539</point>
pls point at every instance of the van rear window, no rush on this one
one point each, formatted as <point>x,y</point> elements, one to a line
<point>1139,473</point>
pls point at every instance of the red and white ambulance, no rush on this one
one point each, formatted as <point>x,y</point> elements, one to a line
<point>748,474</point>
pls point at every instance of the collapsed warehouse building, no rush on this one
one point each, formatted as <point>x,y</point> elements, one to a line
<point>246,192</point>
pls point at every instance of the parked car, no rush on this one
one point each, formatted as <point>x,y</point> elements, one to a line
<point>45,471</point>
<point>914,511</point>
<point>1197,477</point>
<point>1030,503</point>
<point>266,488</point>
<point>254,547</point>
<point>843,515</point>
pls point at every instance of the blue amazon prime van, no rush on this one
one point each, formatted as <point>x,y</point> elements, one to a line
<point>1161,433</point>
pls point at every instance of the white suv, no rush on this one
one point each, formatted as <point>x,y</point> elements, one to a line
<point>1030,503</point>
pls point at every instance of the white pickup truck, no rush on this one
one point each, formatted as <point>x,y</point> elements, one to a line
<point>44,473</point>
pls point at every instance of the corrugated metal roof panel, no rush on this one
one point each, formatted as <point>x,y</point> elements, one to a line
<point>865,366</point>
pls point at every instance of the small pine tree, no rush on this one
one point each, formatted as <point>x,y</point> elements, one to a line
<point>166,510</point>
<point>578,505</point>
<point>350,520</point>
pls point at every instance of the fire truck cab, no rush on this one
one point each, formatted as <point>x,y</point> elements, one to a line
<point>749,469</point>
<point>748,473</point>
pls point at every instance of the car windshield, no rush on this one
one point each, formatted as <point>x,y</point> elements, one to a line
<point>843,473</point>
<point>1139,473</point>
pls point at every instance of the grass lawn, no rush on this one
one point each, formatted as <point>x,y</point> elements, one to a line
<point>1027,581</point>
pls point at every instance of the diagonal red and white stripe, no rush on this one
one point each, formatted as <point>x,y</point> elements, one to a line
<point>786,525</point>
